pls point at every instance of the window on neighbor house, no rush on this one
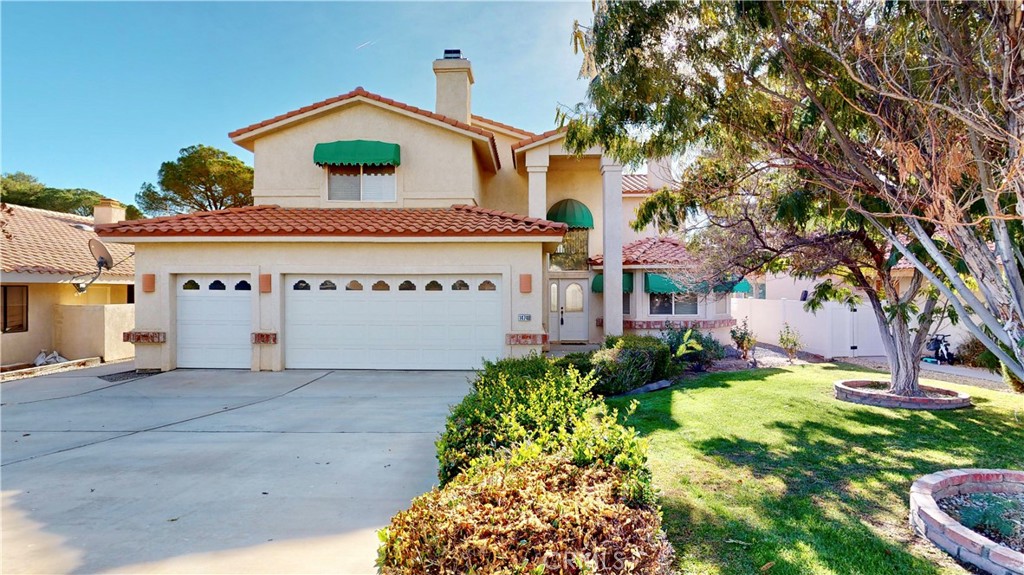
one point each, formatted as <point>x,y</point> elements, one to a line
<point>626,297</point>
<point>15,309</point>
<point>673,304</point>
<point>572,252</point>
<point>361,183</point>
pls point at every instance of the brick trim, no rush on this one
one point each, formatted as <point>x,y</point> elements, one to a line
<point>930,522</point>
<point>526,339</point>
<point>137,337</point>
<point>263,338</point>
<point>665,323</point>
<point>849,391</point>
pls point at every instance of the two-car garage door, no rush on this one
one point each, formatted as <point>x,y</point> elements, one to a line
<point>391,322</point>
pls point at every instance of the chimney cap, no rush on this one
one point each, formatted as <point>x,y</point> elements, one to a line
<point>452,54</point>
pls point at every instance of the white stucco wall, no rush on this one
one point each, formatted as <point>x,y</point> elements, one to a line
<point>438,169</point>
<point>156,310</point>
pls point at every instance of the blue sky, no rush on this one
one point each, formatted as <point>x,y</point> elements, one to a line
<point>97,95</point>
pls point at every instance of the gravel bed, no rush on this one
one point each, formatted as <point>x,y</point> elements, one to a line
<point>124,376</point>
<point>1012,516</point>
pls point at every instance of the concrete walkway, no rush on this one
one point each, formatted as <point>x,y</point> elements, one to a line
<point>202,471</point>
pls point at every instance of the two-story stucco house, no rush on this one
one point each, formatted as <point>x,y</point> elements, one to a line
<point>388,236</point>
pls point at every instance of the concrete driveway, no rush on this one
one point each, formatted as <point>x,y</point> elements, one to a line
<point>204,471</point>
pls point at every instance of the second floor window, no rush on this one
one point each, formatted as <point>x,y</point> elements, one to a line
<point>572,252</point>
<point>361,183</point>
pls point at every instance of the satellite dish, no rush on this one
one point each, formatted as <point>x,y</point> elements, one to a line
<point>103,260</point>
<point>101,254</point>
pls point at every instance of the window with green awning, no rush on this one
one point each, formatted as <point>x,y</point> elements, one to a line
<point>357,153</point>
<point>659,283</point>
<point>597,286</point>
<point>743,287</point>
<point>572,213</point>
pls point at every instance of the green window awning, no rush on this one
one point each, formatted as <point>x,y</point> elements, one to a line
<point>357,153</point>
<point>658,283</point>
<point>743,287</point>
<point>597,286</point>
<point>573,213</point>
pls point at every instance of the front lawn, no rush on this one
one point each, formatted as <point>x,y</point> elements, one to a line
<point>764,472</point>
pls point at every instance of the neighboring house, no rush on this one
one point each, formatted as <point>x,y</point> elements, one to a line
<point>388,236</point>
<point>42,310</point>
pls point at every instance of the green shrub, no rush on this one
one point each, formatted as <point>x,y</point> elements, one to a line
<point>703,355</point>
<point>744,339</point>
<point>581,360</point>
<point>789,341</point>
<point>989,514</point>
<point>532,366</point>
<point>620,370</point>
<point>544,514</point>
<point>502,411</point>
<point>659,350</point>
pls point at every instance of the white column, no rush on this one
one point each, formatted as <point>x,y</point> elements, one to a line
<point>538,198</point>
<point>611,187</point>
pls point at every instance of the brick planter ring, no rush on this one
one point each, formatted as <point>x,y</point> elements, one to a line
<point>938,527</point>
<point>853,391</point>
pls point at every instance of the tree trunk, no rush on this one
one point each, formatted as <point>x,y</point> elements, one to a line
<point>901,349</point>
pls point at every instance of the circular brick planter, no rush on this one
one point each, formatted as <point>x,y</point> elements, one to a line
<point>855,391</point>
<point>938,527</point>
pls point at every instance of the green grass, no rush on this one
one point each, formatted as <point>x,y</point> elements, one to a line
<point>765,472</point>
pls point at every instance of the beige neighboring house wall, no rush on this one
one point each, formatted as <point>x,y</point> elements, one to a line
<point>43,250</point>
<point>167,260</point>
<point>438,166</point>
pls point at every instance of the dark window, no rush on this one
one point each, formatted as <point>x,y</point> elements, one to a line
<point>661,304</point>
<point>572,252</point>
<point>301,285</point>
<point>130,297</point>
<point>625,302</point>
<point>434,286</point>
<point>243,286</point>
<point>460,285</point>
<point>353,286</point>
<point>217,285</point>
<point>328,285</point>
<point>486,285</point>
<point>190,285</point>
<point>407,286</point>
<point>381,285</point>
<point>15,308</point>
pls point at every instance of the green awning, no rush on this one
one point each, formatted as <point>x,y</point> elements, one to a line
<point>357,153</point>
<point>573,213</point>
<point>658,283</point>
<point>597,286</point>
<point>743,287</point>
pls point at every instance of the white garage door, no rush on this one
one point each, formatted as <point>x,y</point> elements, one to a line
<point>214,321</point>
<point>392,322</point>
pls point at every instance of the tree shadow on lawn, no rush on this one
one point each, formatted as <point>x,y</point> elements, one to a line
<point>837,475</point>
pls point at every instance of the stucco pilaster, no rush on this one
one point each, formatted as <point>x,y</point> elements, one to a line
<point>611,188</point>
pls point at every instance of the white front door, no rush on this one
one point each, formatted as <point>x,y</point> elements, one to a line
<point>392,321</point>
<point>567,319</point>
<point>214,321</point>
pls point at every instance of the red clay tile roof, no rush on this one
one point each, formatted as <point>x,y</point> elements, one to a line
<point>635,184</point>
<point>45,242</point>
<point>536,138</point>
<point>359,91</point>
<point>503,125</point>
<point>271,220</point>
<point>649,252</point>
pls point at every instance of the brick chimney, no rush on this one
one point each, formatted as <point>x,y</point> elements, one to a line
<point>108,211</point>
<point>454,86</point>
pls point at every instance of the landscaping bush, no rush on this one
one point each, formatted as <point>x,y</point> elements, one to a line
<point>512,401</point>
<point>971,352</point>
<point>620,370</point>
<point>659,350</point>
<point>701,356</point>
<point>544,514</point>
<point>789,341</point>
<point>744,339</point>
<point>581,360</point>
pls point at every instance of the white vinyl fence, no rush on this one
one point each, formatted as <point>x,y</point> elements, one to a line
<point>835,331</point>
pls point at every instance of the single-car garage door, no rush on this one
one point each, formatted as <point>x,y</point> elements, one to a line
<point>214,321</point>
<point>392,322</point>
